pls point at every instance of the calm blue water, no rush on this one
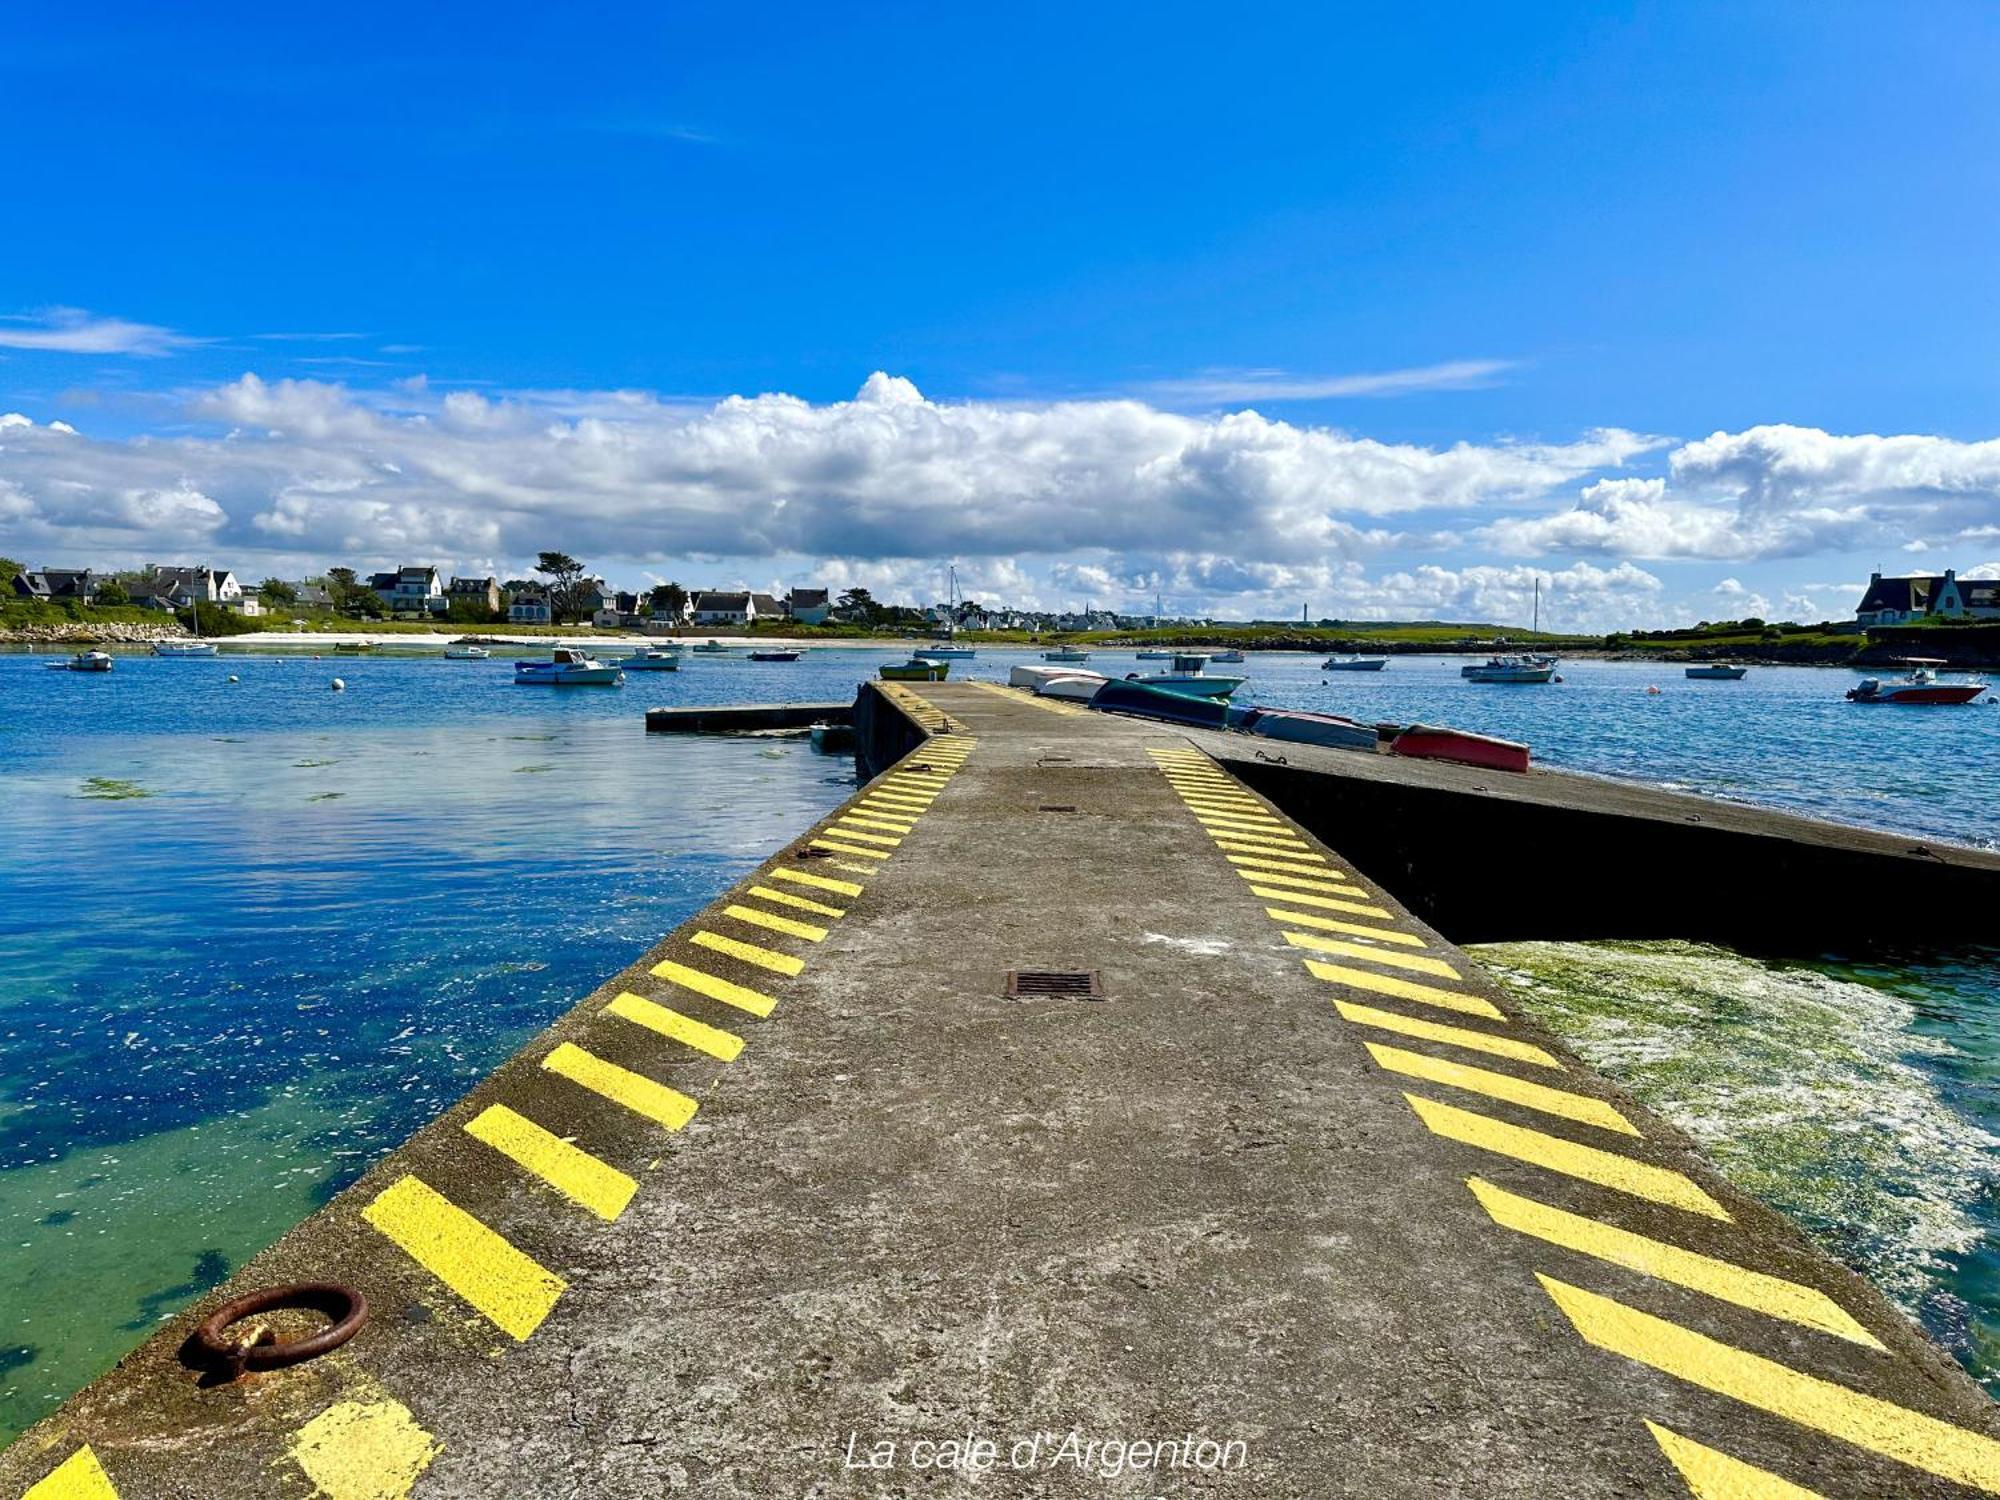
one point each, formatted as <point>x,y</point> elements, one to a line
<point>252,934</point>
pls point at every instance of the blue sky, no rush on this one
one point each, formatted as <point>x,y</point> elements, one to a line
<point>1688,309</point>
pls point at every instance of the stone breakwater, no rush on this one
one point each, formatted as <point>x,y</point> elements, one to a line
<point>85,633</point>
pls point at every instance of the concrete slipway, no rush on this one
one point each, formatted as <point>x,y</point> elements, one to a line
<point>804,1203</point>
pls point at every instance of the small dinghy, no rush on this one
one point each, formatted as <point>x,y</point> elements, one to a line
<point>1303,727</point>
<point>568,667</point>
<point>1126,695</point>
<point>1427,742</point>
<point>83,661</point>
<point>1079,687</point>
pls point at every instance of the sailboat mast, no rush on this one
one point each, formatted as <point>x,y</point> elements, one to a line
<point>1538,604</point>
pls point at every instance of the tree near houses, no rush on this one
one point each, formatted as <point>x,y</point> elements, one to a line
<point>10,570</point>
<point>859,604</point>
<point>565,576</point>
<point>351,596</point>
<point>111,594</point>
<point>277,591</point>
<point>669,599</point>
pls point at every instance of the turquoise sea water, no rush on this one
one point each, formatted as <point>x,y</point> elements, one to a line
<point>254,933</point>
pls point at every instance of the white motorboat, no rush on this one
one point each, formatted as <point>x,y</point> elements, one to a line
<point>83,661</point>
<point>945,653</point>
<point>713,648</point>
<point>1155,655</point>
<point>1354,664</point>
<point>466,653</point>
<point>568,667</point>
<point>652,659</point>
<point>1066,653</point>
<point>1511,669</point>
<point>1715,671</point>
<point>1189,675</point>
<point>1231,655</point>
<point>1077,687</point>
<point>184,648</point>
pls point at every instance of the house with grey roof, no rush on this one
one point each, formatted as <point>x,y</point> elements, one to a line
<point>1927,596</point>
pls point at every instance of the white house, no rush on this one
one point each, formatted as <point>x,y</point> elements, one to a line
<point>1928,596</point>
<point>712,608</point>
<point>809,606</point>
<point>411,590</point>
<point>528,609</point>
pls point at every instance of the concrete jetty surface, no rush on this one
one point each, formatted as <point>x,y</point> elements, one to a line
<point>1058,1119</point>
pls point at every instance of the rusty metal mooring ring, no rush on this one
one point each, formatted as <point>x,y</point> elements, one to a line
<point>260,1349</point>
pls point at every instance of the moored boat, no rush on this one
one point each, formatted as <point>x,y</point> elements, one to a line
<point>1304,727</point>
<point>1231,655</point>
<point>1354,664</point>
<point>1511,669</point>
<point>1715,671</point>
<point>184,648</point>
<point>466,653</point>
<point>652,659</point>
<point>567,667</point>
<point>1154,654</point>
<point>946,653</point>
<point>83,661</point>
<point>776,655</point>
<point>1189,675</point>
<point>1066,653</point>
<point>353,648</point>
<point>712,648</point>
<point>1428,742</point>
<point>916,669</point>
<point>1921,687</point>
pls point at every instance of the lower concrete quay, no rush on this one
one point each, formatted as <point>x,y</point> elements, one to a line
<point>1059,1119</point>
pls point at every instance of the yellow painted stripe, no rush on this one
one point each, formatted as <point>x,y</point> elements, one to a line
<point>1258,844</point>
<point>1324,903</point>
<point>1241,829</point>
<point>1416,963</point>
<point>1291,866</point>
<point>775,923</point>
<point>900,807</point>
<point>654,1101</point>
<point>78,1477</point>
<point>1881,1427</point>
<point>1771,1295</point>
<point>929,781</point>
<point>571,1171</point>
<point>1605,1168</point>
<point>1437,1031</point>
<point>1503,1086</point>
<point>1334,924</point>
<point>1238,820</point>
<point>749,953</point>
<point>1717,1476</point>
<point>513,1290</point>
<point>851,867</point>
<point>1331,880</point>
<point>874,819</point>
<point>849,830</point>
<point>369,1449</point>
<point>722,1045</point>
<point>1228,806</point>
<point>796,903</point>
<point>1405,989</point>
<point>848,849</point>
<point>818,882</point>
<point>716,989</point>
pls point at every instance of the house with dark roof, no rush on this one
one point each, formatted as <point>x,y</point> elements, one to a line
<point>809,606</point>
<point>57,584</point>
<point>713,608</point>
<point>764,607</point>
<point>529,609</point>
<point>483,593</point>
<point>416,590</point>
<point>1928,596</point>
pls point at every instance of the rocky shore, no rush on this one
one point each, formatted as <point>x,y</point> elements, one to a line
<point>82,633</point>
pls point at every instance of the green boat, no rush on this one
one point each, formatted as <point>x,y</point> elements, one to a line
<point>916,669</point>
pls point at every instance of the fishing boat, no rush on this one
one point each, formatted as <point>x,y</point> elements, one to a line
<point>1303,727</point>
<point>83,661</point>
<point>776,655</point>
<point>651,659</point>
<point>1354,664</point>
<point>567,667</point>
<point>353,648</point>
<point>1065,653</point>
<point>916,669</point>
<point>466,653</point>
<point>1428,742</point>
<point>1715,671</point>
<point>184,648</point>
<point>1154,655</point>
<point>712,648</point>
<point>1511,669</point>
<point>1231,655</point>
<point>1189,675</point>
<point>1920,687</point>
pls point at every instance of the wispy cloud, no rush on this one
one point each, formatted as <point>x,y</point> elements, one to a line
<point>1219,386</point>
<point>309,338</point>
<point>72,330</point>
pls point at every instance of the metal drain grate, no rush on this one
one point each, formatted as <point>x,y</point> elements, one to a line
<point>1054,984</point>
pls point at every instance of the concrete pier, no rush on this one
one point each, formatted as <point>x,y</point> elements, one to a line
<point>1060,1118</point>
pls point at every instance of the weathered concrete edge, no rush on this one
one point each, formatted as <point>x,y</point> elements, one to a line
<point>153,1397</point>
<point>747,718</point>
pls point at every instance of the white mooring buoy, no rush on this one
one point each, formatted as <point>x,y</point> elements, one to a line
<point>339,686</point>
